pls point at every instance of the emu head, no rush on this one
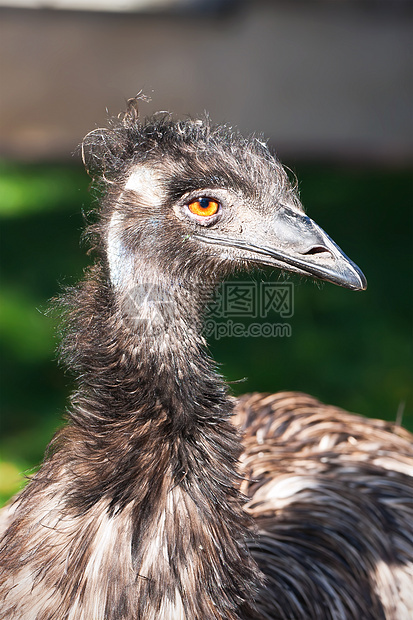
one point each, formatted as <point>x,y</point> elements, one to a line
<point>200,201</point>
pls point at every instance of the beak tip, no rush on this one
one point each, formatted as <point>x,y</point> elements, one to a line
<point>356,280</point>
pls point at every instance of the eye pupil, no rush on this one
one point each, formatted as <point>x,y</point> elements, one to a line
<point>204,203</point>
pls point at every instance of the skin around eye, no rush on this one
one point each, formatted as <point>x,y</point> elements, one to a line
<point>205,207</point>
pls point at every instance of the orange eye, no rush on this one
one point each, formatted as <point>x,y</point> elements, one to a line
<point>204,207</point>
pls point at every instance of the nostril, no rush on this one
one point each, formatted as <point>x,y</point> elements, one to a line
<point>317,249</point>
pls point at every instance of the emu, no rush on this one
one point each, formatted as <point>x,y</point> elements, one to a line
<point>163,497</point>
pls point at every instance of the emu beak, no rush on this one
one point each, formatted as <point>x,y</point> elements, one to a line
<point>292,241</point>
<point>297,243</point>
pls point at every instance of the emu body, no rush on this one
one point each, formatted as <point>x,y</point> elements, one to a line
<point>163,498</point>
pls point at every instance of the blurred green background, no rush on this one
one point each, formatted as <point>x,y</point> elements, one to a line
<point>350,349</point>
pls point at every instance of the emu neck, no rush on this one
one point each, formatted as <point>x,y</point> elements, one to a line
<point>150,437</point>
<point>160,356</point>
<point>151,440</point>
<point>146,379</point>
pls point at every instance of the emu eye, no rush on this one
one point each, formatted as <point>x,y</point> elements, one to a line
<point>205,207</point>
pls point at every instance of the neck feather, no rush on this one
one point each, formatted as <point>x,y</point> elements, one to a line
<point>151,418</point>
